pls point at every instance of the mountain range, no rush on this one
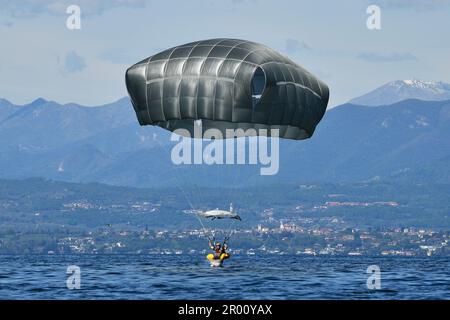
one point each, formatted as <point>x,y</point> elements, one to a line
<point>401,139</point>
<point>399,90</point>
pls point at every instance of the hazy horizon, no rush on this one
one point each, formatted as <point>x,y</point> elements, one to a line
<point>331,40</point>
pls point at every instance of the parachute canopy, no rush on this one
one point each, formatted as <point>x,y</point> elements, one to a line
<point>227,84</point>
<point>218,214</point>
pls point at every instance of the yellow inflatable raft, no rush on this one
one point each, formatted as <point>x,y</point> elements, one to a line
<point>222,257</point>
<point>217,262</point>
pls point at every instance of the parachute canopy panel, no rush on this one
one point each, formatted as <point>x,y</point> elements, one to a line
<point>227,84</point>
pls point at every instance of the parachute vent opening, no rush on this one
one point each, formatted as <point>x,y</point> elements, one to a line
<point>258,85</point>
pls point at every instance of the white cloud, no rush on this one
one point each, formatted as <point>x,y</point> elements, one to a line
<point>123,55</point>
<point>32,8</point>
<point>294,46</point>
<point>386,57</point>
<point>74,63</point>
<point>412,4</point>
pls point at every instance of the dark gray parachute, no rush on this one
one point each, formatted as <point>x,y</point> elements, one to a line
<point>227,84</point>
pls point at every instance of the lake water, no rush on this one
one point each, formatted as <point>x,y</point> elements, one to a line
<point>242,277</point>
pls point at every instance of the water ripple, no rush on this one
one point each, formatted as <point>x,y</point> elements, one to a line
<point>190,277</point>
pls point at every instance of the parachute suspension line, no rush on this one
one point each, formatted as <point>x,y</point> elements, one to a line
<point>185,196</point>
<point>205,231</point>
<point>235,174</point>
<point>241,167</point>
<point>179,186</point>
<point>176,177</point>
<point>230,231</point>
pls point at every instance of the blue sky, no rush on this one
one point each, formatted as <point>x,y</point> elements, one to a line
<point>40,57</point>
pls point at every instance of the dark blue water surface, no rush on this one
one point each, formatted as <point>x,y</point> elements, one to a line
<point>243,277</point>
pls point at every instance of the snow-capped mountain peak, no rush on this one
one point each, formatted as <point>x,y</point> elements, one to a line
<point>405,89</point>
<point>437,86</point>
